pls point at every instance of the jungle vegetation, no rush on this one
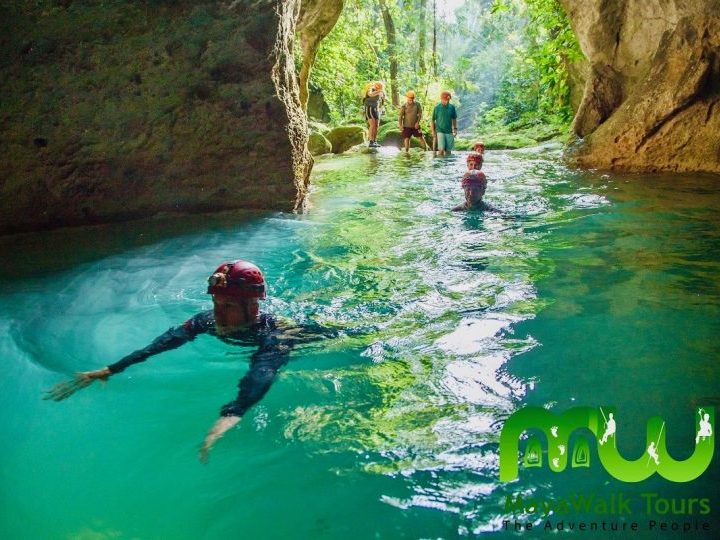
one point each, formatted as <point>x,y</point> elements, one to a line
<point>506,62</point>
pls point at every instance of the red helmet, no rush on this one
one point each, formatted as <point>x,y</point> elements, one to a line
<point>473,160</point>
<point>474,178</point>
<point>479,147</point>
<point>240,279</point>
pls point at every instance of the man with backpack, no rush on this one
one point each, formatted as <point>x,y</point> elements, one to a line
<point>409,121</point>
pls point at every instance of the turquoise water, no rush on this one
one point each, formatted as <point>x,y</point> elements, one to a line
<point>586,289</point>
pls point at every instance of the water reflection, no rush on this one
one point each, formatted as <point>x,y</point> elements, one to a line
<point>577,291</point>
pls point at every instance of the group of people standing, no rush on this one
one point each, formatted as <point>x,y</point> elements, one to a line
<point>443,123</point>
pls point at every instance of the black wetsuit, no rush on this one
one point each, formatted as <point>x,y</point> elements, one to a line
<point>479,206</point>
<point>273,339</point>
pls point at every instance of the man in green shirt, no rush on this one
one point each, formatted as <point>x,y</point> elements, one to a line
<point>444,124</point>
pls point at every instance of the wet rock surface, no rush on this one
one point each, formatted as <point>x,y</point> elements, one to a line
<point>651,102</point>
<point>112,111</point>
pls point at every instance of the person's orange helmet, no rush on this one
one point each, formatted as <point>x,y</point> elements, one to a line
<point>446,94</point>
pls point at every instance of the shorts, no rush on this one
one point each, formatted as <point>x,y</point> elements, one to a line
<point>408,132</point>
<point>445,141</point>
<point>372,113</point>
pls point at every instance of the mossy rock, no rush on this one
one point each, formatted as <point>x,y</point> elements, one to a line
<point>385,128</point>
<point>318,127</point>
<point>415,142</point>
<point>344,137</point>
<point>318,144</point>
<point>391,137</point>
<point>317,107</point>
<point>544,133</point>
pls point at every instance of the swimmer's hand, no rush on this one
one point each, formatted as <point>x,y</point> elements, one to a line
<point>66,389</point>
<point>223,424</point>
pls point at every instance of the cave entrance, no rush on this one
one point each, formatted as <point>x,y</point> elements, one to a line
<point>514,67</point>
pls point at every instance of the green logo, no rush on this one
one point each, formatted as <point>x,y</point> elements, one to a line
<point>602,423</point>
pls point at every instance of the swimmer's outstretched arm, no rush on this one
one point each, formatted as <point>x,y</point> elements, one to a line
<point>221,425</point>
<point>66,389</point>
<point>172,339</point>
<point>264,365</point>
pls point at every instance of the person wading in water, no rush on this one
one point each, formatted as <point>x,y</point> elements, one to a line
<point>474,184</point>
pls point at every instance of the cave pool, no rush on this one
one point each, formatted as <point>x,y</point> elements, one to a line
<point>586,289</point>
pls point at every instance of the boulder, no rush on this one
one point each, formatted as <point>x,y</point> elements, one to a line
<point>390,137</point>
<point>318,127</point>
<point>508,141</point>
<point>318,144</point>
<point>385,128</point>
<point>344,137</point>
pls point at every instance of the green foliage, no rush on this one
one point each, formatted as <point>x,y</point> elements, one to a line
<point>535,87</point>
<point>347,59</point>
<point>505,61</point>
<point>356,52</point>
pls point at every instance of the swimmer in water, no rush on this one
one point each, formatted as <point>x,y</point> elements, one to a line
<point>236,288</point>
<point>474,184</point>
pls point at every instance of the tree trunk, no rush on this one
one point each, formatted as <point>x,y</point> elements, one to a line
<point>392,50</point>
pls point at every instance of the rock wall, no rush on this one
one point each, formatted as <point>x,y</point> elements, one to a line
<point>652,98</point>
<point>116,110</point>
<point>317,19</point>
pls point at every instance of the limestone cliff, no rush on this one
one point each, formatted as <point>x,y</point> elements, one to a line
<point>652,99</point>
<point>115,110</point>
<point>317,19</point>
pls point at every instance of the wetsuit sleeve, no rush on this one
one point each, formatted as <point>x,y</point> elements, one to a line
<point>264,365</point>
<point>172,339</point>
<point>273,353</point>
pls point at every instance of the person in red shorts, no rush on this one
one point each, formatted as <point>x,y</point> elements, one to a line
<point>409,121</point>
